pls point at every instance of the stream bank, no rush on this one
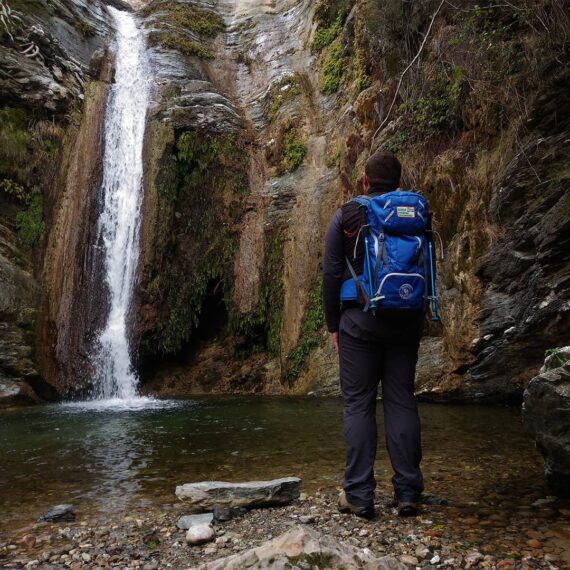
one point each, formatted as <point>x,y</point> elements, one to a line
<point>117,467</point>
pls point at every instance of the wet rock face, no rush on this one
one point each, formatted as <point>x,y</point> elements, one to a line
<point>546,414</point>
<point>46,50</point>
<point>49,52</point>
<point>18,298</point>
<point>525,307</point>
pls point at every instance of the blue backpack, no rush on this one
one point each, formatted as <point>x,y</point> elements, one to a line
<point>397,261</point>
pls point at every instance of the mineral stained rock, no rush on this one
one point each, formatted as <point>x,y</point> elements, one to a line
<point>546,414</point>
<point>205,495</point>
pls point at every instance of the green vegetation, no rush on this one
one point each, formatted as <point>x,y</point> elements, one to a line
<point>14,189</point>
<point>432,113</point>
<point>316,560</point>
<point>325,36</point>
<point>557,360</point>
<point>14,138</point>
<point>175,21</point>
<point>30,222</point>
<point>285,90</point>
<point>204,173</point>
<point>361,78</point>
<point>184,45</point>
<point>330,16</point>
<point>188,17</point>
<point>294,149</point>
<point>332,70</point>
<point>22,151</point>
<point>398,142</point>
<point>263,328</point>
<point>333,159</point>
<point>84,28</point>
<point>308,339</point>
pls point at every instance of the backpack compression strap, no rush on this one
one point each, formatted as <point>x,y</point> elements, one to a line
<point>359,285</point>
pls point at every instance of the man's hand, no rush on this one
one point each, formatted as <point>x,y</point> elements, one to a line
<point>334,337</point>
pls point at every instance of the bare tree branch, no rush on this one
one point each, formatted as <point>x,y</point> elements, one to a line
<point>404,73</point>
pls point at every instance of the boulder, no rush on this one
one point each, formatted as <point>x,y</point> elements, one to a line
<point>205,495</point>
<point>546,414</point>
<point>301,547</point>
<point>200,534</point>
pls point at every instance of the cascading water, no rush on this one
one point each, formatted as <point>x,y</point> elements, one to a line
<point>122,193</point>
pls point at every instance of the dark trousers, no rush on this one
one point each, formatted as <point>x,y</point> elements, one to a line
<point>366,357</point>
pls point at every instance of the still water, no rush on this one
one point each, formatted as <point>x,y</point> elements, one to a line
<point>107,459</point>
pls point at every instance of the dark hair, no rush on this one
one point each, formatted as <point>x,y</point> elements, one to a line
<point>384,169</point>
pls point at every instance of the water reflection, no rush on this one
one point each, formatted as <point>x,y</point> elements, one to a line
<point>103,457</point>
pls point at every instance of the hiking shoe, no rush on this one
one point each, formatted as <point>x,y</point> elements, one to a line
<point>407,509</point>
<point>345,507</point>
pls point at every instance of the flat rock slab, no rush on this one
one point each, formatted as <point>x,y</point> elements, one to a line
<point>184,523</point>
<point>204,496</point>
<point>302,547</point>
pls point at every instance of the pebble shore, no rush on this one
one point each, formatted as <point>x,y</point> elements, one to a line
<point>441,537</point>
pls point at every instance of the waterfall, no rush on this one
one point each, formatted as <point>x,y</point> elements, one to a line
<point>121,195</point>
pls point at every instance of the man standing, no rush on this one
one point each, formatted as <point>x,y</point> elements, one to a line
<point>372,346</point>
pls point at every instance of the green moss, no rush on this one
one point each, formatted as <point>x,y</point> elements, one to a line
<point>333,159</point>
<point>361,78</point>
<point>332,70</point>
<point>183,45</point>
<point>203,174</point>
<point>30,222</point>
<point>285,90</point>
<point>205,23</point>
<point>557,360</point>
<point>84,28</point>
<point>308,339</point>
<point>330,17</point>
<point>14,138</point>
<point>262,329</point>
<point>294,149</point>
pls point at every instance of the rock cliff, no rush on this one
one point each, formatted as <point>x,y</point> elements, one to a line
<point>50,55</point>
<point>479,121</point>
<point>263,116</point>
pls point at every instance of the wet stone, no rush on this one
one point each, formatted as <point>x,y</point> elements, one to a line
<point>59,513</point>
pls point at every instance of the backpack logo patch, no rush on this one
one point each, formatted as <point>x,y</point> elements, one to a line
<point>405,211</point>
<point>406,291</point>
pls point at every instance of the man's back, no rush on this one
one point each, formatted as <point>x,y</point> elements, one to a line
<point>372,346</point>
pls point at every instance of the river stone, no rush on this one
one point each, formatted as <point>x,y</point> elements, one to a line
<point>184,523</point>
<point>200,534</point>
<point>546,414</point>
<point>301,546</point>
<point>59,513</point>
<point>206,495</point>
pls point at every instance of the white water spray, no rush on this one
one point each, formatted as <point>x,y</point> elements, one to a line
<point>122,193</point>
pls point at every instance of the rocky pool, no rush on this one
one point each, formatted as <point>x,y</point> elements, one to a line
<point>114,460</point>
